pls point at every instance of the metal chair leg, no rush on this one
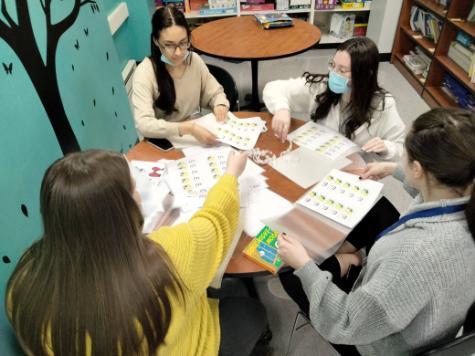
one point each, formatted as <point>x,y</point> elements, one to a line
<point>294,329</point>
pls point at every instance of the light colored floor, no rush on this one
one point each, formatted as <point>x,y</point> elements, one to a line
<point>280,309</point>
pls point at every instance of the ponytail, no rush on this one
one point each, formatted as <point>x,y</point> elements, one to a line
<point>442,141</point>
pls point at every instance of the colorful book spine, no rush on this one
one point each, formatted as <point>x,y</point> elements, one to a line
<point>263,250</point>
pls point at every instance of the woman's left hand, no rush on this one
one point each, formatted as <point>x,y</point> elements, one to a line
<point>220,111</point>
<point>375,145</point>
<point>292,251</point>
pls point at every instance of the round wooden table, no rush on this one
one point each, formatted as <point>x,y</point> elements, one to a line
<point>242,38</point>
<point>240,266</point>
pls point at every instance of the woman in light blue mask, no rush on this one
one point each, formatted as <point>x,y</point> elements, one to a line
<point>174,83</point>
<point>348,100</point>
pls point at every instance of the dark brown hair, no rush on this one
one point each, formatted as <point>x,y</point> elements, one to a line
<point>93,274</point>
<point>443,141</point>
<point>162,19</point>
<point>366,94</point>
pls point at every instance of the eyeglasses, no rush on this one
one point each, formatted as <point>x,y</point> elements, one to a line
<point>340,70</point>
<point>172,47</point>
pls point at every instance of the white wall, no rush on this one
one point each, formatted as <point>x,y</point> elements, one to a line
<point>383,20</point>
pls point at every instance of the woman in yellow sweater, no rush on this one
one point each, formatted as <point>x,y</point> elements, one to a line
<point>93,284</point>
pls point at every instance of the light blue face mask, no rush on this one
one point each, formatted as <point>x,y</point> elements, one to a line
<point>164,59</point>
<point>337,83</point>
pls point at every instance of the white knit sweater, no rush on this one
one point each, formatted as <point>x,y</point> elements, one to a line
<point>298,97</point>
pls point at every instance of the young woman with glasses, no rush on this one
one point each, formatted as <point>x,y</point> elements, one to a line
<point>174,83</point>
<point>347,100</point>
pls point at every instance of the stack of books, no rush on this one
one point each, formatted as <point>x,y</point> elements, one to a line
<point>458,92</point>
<point>269,21</point>
<point>462,52</point>
<point>418,61</point>
<point>426,23</point>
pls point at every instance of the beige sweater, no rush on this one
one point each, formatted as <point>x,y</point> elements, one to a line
<point>197,88</point>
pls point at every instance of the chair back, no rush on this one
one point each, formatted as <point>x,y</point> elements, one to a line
<point>229,85</point>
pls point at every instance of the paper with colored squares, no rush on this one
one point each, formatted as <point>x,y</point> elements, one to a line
<point>239,133</point>
<point>322,140</point>
<point>342,197</point>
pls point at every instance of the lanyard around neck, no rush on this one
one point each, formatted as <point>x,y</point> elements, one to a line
<point>423,214</point>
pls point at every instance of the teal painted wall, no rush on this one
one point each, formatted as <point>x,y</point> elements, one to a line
<point>132,38</point>
<point>88,66</point>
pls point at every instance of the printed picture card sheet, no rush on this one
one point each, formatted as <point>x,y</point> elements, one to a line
<point>322,140</point>
<point>239,133</point>
<point>342,197</point>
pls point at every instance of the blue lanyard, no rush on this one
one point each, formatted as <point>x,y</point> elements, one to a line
<point>423,214</point>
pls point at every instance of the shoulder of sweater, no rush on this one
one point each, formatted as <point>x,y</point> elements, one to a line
<point>197,61</point>
<point>144,67</point>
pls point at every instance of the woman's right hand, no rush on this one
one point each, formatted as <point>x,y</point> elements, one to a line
<point>378,170</point>
<point>199,132</point>
<point>236,163</point>
<point>281,124</point>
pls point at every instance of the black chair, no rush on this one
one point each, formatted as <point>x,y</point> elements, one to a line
<point>229,85</point>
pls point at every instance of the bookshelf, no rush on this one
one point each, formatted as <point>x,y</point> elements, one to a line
<point>309,11</point>
<point>433,85</point>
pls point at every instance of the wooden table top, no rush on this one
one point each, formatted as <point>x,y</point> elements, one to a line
<point>242,38</point>
<point>239,265</point>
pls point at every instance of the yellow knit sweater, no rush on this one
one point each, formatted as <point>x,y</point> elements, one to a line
<point>197,249</point>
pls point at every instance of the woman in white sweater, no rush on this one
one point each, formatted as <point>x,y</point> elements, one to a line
<point>174,83</point>
<point>417,282</point>
<point>347,100</point>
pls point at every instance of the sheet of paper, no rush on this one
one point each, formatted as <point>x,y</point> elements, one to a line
<point>306,167</point>
<point>152,187</point>
<point>322,140</point>
<point>263,203</point>
<point>236,132</point>
<point>342,197</point>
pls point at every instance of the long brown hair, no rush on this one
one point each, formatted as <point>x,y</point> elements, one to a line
<point>162,19</point>
<point>366,94</point>
<point>93,274</point>
<point>443,141</point>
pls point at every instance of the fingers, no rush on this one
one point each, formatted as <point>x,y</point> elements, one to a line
<point>376,145</point>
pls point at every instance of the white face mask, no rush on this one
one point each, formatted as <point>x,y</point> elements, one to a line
<point>164,59</point>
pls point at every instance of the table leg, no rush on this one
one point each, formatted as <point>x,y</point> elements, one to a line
<point>255,104</point>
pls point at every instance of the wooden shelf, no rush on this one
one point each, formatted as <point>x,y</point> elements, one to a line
<point>338,8</point>
<point>432,6</point>
<point>416,80</point>
<point>417,37</point>
<point>440,97</point>
<point>467,27</point>
<point>456,71</point>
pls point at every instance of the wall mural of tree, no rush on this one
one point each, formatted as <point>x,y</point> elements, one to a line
<point>21,38</point>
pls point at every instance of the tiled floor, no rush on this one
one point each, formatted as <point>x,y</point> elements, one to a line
<point>281,310</point>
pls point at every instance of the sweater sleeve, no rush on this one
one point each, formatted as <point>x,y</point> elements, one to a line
<point>386,304</point>
<point>143,99</point>
<point>198,247</point>
<point>292,94</point>
<point>212,93</point>
<point>391,129</point>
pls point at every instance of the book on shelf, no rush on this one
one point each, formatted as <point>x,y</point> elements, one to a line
<point>263,250</point>
<point>426,23</point>
<point>463,97</point>
<point>206,10</point>
<point>282,4</point>
<point>257,7</point>
<point>269,21</point>
<point>461,55</point>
